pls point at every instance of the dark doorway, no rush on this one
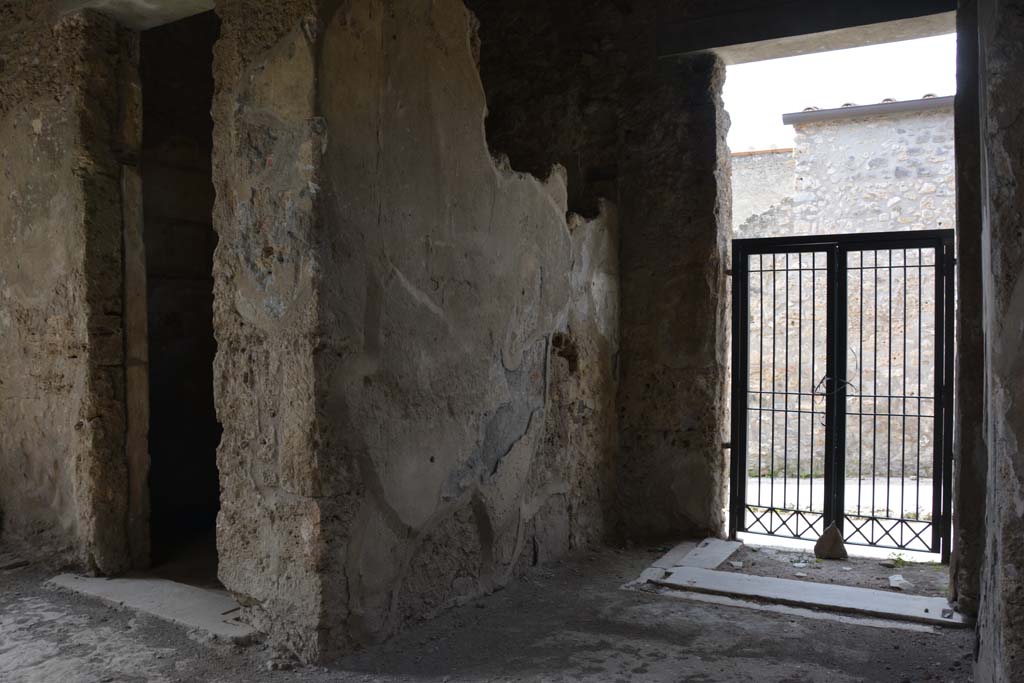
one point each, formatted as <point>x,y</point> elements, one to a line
<point>176,67</point>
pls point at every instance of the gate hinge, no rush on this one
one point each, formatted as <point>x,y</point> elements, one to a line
<point>727,446</point>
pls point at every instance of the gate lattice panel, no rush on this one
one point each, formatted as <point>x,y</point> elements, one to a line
<point>842,369</point>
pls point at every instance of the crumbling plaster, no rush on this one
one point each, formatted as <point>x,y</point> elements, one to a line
<point>398,317</point>
<point>62,473</point>
<point>266,149</point>
<point>311,300</point>
<point>579,83</point>
<point>138,14</point>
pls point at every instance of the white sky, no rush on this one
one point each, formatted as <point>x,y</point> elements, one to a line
<point>758,94</point>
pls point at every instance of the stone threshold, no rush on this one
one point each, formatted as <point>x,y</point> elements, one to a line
<point>214,613</point>
<point>691,567</point>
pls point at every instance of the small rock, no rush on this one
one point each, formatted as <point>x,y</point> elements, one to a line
<point>847,569</point>
<point>830,546</point>
<point>947,613</point>
<point>801,575</point>
<point>899,583</point>
<point>735,564</point>
<point>281,660</point>
<point>888,564</point>
<point>800,565</point>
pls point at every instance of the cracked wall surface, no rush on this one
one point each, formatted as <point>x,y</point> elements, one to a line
<point>62,474</point>
<point>449,277</point>
<point>1001,611</point>
<point>415,345</point>
<point>579,83</point>
<point>266,150</point>
<point>419,371</point>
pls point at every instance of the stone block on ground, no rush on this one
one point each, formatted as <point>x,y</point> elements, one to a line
<point>830,546</point>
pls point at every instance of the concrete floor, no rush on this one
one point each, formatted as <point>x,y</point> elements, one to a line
<point>567,621</point>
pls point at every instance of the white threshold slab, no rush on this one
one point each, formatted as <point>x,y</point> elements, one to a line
<point>214,612</point>
<point>675,556</point>
<point>710,553</point>
<point>867,601</point>
<point>804,612</point>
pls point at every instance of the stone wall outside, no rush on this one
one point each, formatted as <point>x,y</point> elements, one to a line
<point>885,173</point>
<point>760,180</point>
<point>872,174</point>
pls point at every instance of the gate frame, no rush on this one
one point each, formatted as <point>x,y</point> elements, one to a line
<point>836,246</point>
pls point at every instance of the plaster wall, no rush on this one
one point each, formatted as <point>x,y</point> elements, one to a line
<point>579,83</point>
<point>266,158</point>
<point>415,344</point>
<point>62,474</point>
<point>448,321</point>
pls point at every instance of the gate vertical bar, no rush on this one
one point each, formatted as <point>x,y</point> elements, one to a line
<point>949,270</point>
<point>831,314</point>
<point>838,351</point>
<point>740,380</point>
<point>938,438</point>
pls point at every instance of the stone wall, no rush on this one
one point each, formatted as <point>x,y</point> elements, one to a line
<point>675,215</point>
<point>62,473</point>
<point>1001,615</point>
<point>760,180</point>
<point>872,174</point>
<point>970,460</point>
<point>889,172</point>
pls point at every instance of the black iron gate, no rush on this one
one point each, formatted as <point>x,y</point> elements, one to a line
<point>842,367</point>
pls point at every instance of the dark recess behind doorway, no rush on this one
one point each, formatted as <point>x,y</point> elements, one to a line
<point>177,84</point>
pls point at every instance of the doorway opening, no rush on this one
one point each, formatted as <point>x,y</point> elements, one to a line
<point>176,72</point>
<point>837,352</point>
<point>865,355</point>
